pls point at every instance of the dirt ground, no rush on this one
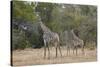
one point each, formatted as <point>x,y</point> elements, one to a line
<point>31,56</point>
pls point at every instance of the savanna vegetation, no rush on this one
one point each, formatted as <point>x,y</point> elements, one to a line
<point>58,17</point>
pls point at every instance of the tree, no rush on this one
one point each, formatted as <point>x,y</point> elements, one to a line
<point>23,10</point>
<point>57,17</point>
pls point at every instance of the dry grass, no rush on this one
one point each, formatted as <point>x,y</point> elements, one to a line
<point>35,56</point>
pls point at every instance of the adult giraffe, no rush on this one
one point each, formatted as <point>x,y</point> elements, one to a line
<point>50,38</point>
<point>77,42</point>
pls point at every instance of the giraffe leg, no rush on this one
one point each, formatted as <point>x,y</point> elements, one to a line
<point>73,51</point>
<point>67,51</point>
<point>48,53</point>
<point>44,49</point>
<point>83,50</point>
<point>56,52</point>
<point>44,52</point>
<point>60,51</point>
<point>76,50</point>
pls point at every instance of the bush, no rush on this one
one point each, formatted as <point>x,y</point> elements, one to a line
<point>18,40</point>
<point>90,46</point>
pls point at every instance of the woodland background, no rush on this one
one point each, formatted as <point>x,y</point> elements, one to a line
<point>58,17</point>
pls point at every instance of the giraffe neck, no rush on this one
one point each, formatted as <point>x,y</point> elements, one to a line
<point>44,28</point>
<point>74,36</point>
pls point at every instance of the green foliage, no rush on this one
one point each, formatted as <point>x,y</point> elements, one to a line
<point>45,10</point>
<point>57,17</point>
<point>23,10</point>
<point>18,40</point>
